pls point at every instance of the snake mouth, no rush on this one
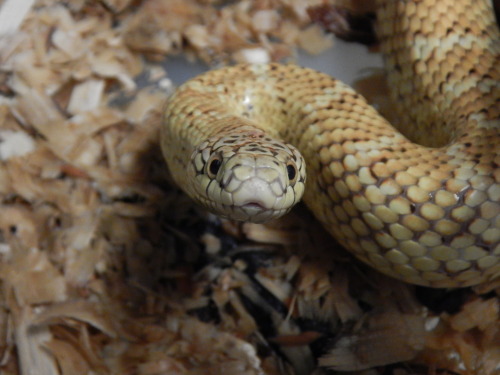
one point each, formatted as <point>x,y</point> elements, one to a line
<point>254,206</point>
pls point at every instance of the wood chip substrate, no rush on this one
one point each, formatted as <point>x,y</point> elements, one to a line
<point>107,268</point>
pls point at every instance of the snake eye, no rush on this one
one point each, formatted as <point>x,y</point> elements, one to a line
<point>291,171</point>
<point>214,166</point>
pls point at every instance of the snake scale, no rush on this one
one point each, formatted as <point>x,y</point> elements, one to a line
<point>420,203</point>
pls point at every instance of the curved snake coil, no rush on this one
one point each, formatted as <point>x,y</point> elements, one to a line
<point>425,211</point>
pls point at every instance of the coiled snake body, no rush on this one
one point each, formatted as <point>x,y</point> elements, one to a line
<point>422,207</point>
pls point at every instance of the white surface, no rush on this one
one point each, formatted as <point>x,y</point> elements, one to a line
<point>15,143</point>
<point>12,13</point>
<point>344,61</point>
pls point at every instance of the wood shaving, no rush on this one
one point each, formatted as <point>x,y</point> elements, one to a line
<point>368,346</point>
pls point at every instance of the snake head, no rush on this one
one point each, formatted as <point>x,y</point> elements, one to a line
<point>248,176</point>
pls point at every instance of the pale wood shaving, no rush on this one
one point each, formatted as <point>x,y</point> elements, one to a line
<point>86,96</point>
<point>34,360</point>
<point>43,283</point>
<point>83,311</point>
<point>455,342</point>
<point>314,40</point>
<point>478,313</point>
<point>12,14</point>
<point>369,346</point>
<point>260,233</point>
<point>69,360</point>
<point>15,144</point>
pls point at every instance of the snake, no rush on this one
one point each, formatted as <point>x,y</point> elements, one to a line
<point>417,199</point>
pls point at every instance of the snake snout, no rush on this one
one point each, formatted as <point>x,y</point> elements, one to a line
<point>255,188</point>
<point>255,194</point>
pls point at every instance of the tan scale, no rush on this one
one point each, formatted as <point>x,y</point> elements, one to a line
<point>420,203</point>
